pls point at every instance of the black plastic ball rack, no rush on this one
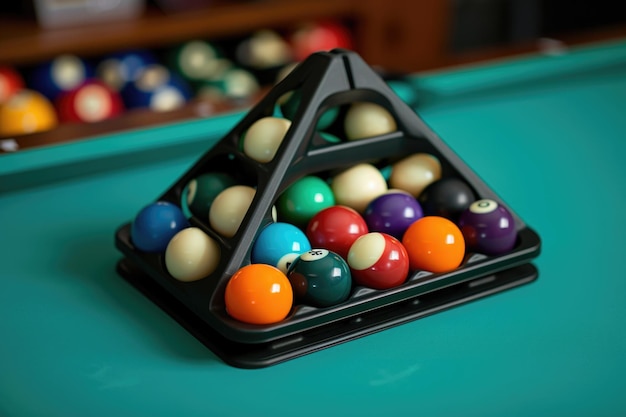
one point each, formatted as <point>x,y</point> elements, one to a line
<point>325,80</point>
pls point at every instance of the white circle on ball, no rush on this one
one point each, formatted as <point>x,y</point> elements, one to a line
<point>366,251</point>
<point>68,72</point>
<point>483,206</point>
<point>357,186</point>
<point>166,98</point>
<point>314,255</point>
<point>192,255</point>
<point>263,138</point>
<point>197,59</point>
<point>229,208</point>
<point>285,261</point>
<point>365,120</point>
<point>192,189</point>
<point>93,103</point>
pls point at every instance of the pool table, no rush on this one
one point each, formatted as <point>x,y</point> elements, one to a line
<point>545,131</point>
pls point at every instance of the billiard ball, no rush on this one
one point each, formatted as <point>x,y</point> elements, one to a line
<point>229,209</point>
<point>289,108</point>
<point>195,60</point>
<point>278,244</point>
<point>119,69</point>
<point>157,89</point>
<point>319,36</point>
<point>264,49</point>
<point>303,199</point>
<point>446,197</point>
<point>191,255</point>
<point>25,112</point>
<point>155,225</point>
<point>358,185</point>
<point>414,172</point>
<point>263,138</point>
<point>364,120</point>
<point>92,101</point>
<point>434,244</point>
<point>320,278</point>
<point>379,261</point>
<point>488,227</point>
<point>202,190</point>
<point>392,213</point>
<point>258,294</point>
<point>63,73</point>
<point>233,83</point>
<point>11,82</point>
<point>336,228</point>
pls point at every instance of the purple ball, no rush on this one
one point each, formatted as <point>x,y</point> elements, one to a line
<point>488,228</point>
<point>392,213</point>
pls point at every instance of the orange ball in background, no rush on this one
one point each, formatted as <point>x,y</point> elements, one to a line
<point>434,244</point>
<point>258,294</point>
<point>26,112</point>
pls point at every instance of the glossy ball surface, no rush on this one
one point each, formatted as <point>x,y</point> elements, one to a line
<point>229,208</point>
<point>202,190</point>
<point>278,244</point>
<point>434,244</point>
<point>191,255</point>
<point>446,197</point>
<point>378,260</point>
<point>320,278</point>
<point>413,173</point>
<point>358,185</point>
<point>155,225</point>
<point>263,138</point>
<point>392,213</point>
<point>258,294</point>
<point>364,120</point>
<point>488,227</point>
<point>304,199</point>
<point>335,229</point>
<point>25,112</point>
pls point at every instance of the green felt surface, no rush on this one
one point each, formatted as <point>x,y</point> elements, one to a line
<point>79,341</point>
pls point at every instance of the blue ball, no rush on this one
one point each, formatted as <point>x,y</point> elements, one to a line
<point>123,67</point>
<point>278,245</point>
<point>158,89</point>
<point>63,73</point>
<point>155,225</point>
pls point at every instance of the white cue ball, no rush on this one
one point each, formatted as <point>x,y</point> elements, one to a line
<point>357,186</point>
<point>229,208</point>
<point>413,173</point>
<point>263,138</point>
<point>192,255</point>
<point>364,120</point>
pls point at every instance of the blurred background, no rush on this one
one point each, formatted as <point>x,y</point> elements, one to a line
<point>78,68</point>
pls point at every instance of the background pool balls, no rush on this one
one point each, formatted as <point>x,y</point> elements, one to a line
<point>320,278</point>
<point>92,101</point>
<point>488,227</point>
<point>26,111</point>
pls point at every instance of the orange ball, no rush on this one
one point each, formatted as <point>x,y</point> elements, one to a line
<point>434,244</point>
<point>258,294</point>
<point>26,112</point>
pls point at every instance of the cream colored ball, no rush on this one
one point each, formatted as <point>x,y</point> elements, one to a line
<point>263,138</point>
<point>229,208</point>
<point>413,173</point>
<point>357,186</point>
<point>364,120</point>
<point>192,255</point>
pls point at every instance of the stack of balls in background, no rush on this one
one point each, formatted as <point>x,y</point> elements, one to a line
<point>365,226</point>
<point>70,89</point>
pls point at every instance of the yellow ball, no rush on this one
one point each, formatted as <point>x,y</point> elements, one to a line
<point>364,120</point>
<point>26,112</point>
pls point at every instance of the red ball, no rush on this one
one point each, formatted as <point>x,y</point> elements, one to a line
<point>378,260</point>
<point>336,228</point>
<point>92,101</point>
<point>10,82</point>
<point>322,36</point>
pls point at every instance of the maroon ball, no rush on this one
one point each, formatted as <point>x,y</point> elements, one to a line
<point>392,213</point>
<point>488,228</point>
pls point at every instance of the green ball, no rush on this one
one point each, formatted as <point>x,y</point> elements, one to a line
<point>201,192</point>
<point>195,60</point>
<point>320,278</point>
<point>303,200</point>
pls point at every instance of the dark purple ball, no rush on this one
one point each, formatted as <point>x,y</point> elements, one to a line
<point>488,228</point>
<point>392,213</point>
